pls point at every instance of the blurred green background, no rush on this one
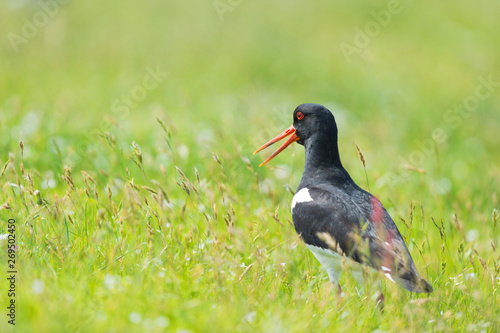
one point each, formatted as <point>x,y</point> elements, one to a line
<point>230,72</point>
<point>81,80</point>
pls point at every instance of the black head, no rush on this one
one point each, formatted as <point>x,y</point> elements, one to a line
<point>313,120</point>
<point>314,127</point>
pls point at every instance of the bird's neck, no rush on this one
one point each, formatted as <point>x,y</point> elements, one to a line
<point>322,158</point>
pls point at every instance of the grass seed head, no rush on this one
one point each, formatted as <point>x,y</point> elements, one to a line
<point>360,154</point>
<point>457,224</point>
<point>494,216</point>
<point>181,173</point>
<point>109,192</point>
<point>185,183</point>
<point>330,241</point>
<point>221,192</point>
<point>163,126</point>
<point>362,159</point>
<point>5,205</point>
<point>38,197</point>
<point>67,177</point>
<point>214,208</point>
<point>197,176</point>
<point>137,151</point>
<point>110,138</point>
<point>216,158</point>
<point>5,167</point>
<point>461,249</point>
<point>86,176</point>
<point>149,189</point>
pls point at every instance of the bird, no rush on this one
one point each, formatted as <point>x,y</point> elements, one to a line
<point>337,220</point>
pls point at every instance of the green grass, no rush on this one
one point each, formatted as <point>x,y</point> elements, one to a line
<point>143,225</point>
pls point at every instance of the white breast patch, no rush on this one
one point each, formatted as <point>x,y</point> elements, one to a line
<point>301,196</point>
<point>332,262</point>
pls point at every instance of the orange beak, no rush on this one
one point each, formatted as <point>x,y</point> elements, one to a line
<point>292,139</point>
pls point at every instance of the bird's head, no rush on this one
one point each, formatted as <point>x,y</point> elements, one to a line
<point>309,120</point>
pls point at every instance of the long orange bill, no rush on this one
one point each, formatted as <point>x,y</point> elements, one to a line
<point>292,139</point>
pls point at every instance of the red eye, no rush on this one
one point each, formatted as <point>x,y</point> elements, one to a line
<point>300,115</point>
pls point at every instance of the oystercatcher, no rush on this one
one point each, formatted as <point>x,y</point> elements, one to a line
<point>334,216</point>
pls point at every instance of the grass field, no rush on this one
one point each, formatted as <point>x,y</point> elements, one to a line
<point>127,133</point>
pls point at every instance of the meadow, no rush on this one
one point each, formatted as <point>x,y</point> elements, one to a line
<point>127,132</point>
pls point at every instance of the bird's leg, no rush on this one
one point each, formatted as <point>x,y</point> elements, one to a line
<point>339,297</point>
<point>381,301</point>
<point>339,289</point>
<point>340,293</point>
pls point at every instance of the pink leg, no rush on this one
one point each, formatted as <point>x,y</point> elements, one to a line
<point>381,301</point>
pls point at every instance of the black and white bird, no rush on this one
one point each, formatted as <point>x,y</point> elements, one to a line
<point>334,216</point>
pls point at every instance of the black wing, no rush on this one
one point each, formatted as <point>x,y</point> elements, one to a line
<point>358,226</point>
